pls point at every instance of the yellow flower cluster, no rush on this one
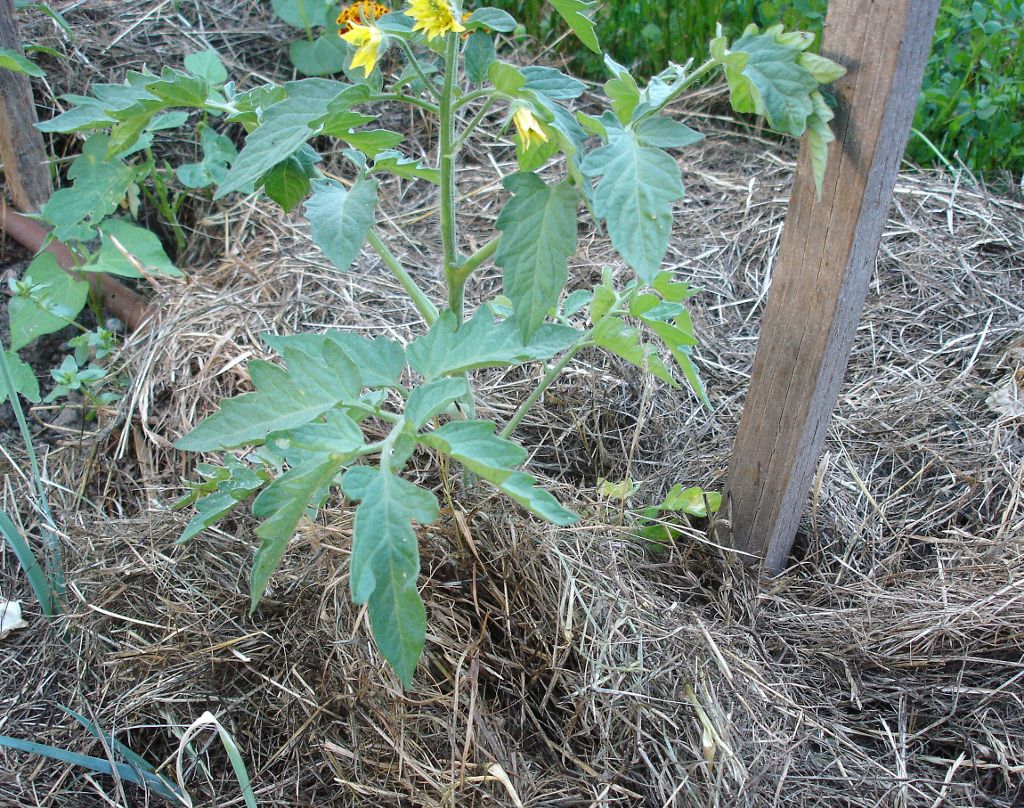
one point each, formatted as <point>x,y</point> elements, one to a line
<point>434,17</point>
<point>357,12</point>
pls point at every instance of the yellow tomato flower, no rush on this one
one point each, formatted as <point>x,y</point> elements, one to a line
<point>528,127</point>
<point>435,17</point>
<point>367,39</point>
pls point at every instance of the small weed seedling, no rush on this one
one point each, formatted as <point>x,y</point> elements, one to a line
<point>301,431</point>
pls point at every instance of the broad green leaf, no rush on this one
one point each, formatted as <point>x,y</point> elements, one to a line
<point>324,56</point>
<point>286,126</point>
<point>577,301</point>
<point>249,106</point>
<point>493,18</point>
<point>228,486</point>
<point>46,299</point>
<point>282,401</point>
<point>552,83</point>
<point>380,360</point>
<point>447,349</point>
<point>622,90</point>
<point>825,71</point>
<point>478,55</point>
<point>538,234</point>
<point>178,89</point>
<point>665,133</point>
<point>87,113</point>
<point>766,77</point>
<point>16,63</point>
<point>142,245</point>
<point>340,218</point>
<point>301,13</point>
<point>694,501</point>
<point>283,503</point>
<point>406,167</point>
<point>623,340</point>
<point>819,135</point>
<point>372,141</point>
<point>287,183</point>
<point>336,438</point>
<point>506,78</point>
<point>100,183</point>
<point>385,561</point>
<point>634,196</point>
<point>25,381</point>
<point>432,398</point>
<point>578,14</point>
<point>207,64</point>
<point>474,444</point>
<point>218,153</point>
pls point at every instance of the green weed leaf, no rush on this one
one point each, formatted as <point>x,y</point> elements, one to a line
<point>493,18</point>
<point>324,56</point>
<point>218,153</point>
<point>538,226</point>
<point>207,65</point>
<point>226,487</point>
<point>46,299</point>
<point>142,245</point>
<point>287,183</point>
<point>492,458</point>
<point>25,381</point>
<point>478,55</point>
<point>340,218</point>
<point>634,196</point>
<point>16,63</point>
<point>386,562</point>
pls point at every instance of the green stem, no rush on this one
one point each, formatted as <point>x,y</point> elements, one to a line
<point>428,85</point>
<point>56,573</point>
<point>446,164</point>
<point>469,98</point>
<point>473,123</point>
<point>683,85</point>
<point>408,99</point>
<point>428,311</point>
<point>545,383</point>
<point>467,267</point>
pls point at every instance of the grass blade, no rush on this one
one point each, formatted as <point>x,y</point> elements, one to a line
<point>23,552</point>
<point>147,779</point>
<point>207,719</point>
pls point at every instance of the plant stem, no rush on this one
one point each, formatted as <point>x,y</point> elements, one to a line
<point>684,84</point>
<point>446,164</point>
<point>428,311</point>
<point>430,88</point>
<point>466,268</point>
<point>474,123</point>
<point>56,571</point>
<point>408,99</point>
<point>545,383</point>
<point>468,98</point>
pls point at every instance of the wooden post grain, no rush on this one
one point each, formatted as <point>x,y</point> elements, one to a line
<point>822,272</point>
<point>22,149</point>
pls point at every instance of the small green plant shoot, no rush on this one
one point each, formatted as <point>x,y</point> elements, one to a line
<point>300,434</point>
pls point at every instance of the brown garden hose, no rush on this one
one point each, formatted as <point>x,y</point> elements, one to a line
<point>118,299</point>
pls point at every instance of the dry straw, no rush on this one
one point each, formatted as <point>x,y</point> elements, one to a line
<point>563,667</point>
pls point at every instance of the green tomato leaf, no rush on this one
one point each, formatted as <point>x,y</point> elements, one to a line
<point>47,299</point>
<point>380,360</point>
<point>179,89</point>
<point>505,78</point>
<point>218,153</point>
<point>286,126</point>
<point>538,234</point>
<point>434,397</point>
<point>634,196</point>
<point>448,349</point>
<point>227,487</point>
<point>474,444</point>
<point>622,90</point>
<point>623,340</point>
<point>819,135</point>
<point>552,83</point>
<point>373,141</point>
<point>16,63</point>
<point>386,562</point>
<point>283,503</point>
<point>313,384</point>
<point>405,167</point>
<point>337,437</point>
<point>25,381</point>
<point>340,218</point>
<point>665,133</point>
<point>578,14</point>
<point>143,246</point>
<point>287,183</point>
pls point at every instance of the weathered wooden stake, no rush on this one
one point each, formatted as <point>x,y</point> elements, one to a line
<point>822,272</point>
<point>22,149</point>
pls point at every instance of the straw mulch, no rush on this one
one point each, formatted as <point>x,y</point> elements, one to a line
<point>565,667</point>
